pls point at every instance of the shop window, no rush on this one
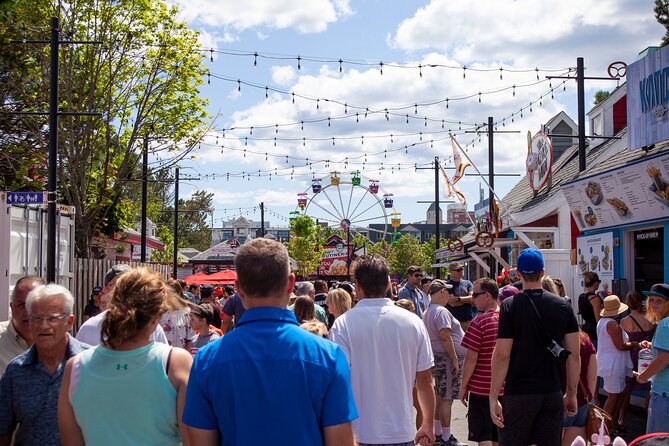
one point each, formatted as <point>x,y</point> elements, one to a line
<point>648,259</point>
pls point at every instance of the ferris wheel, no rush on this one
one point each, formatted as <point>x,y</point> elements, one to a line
<point>354,204</point>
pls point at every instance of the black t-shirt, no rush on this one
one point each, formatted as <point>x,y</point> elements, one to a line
<point>464,287</point>
<point>587,312</point>
<point>532,368</point>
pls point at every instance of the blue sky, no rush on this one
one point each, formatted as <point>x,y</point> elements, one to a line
<point>518,36</point>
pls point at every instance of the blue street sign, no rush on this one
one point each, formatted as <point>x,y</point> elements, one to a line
<point>25,197</point>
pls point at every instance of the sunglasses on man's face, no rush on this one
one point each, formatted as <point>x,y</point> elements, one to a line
<point>478,294</point>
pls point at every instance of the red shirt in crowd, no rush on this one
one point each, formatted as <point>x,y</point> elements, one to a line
<point>481,337</point>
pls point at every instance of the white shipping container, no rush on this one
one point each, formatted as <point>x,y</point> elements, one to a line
<point>23,246</point>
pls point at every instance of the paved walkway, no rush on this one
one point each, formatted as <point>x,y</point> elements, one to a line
<point>635,421</point>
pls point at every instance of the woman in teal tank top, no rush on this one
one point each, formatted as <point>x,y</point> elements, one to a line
<point>127,390</point>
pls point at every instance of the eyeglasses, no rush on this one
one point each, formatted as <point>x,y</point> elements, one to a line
<point>478,294</point>
<point>419,275</point>
<point>51,319</point>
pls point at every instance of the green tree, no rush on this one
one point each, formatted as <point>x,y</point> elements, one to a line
<point>144,78</point>
<point>194,215</point>
<point>167,254</point>
<point>662,16</point>
<point>305,246</point>
<point>406,252</point>
<point>600,96</point>
<point>428,250</point>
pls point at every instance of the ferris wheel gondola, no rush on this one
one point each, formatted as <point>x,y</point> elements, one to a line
<point>356,204</point>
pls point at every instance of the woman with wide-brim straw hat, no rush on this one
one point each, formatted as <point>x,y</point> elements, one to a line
<point>613,360</point>
<point>658,369</point>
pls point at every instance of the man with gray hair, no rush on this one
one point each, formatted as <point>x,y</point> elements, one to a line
<point>30,386</point>
<point>90,331</point>
<point>15,335</point>
<point>307,289</point>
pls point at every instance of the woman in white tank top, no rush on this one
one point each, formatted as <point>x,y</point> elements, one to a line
<point>613,359</point>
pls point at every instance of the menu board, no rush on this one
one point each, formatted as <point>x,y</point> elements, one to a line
<point>629,194</point>
<point>595,253</point>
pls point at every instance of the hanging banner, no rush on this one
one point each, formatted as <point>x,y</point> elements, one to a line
<point>629,194</point>
<point>595,253</point>
<point>539,160</point>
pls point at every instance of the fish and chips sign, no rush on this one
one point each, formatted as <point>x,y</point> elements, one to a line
<point>648,99</point>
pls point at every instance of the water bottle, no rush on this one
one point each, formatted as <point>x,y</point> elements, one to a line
<point>645,358</point>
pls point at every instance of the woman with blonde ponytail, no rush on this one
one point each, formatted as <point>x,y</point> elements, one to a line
<point>128,390</point>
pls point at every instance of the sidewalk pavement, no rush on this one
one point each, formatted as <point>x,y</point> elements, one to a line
<point>635,422</point>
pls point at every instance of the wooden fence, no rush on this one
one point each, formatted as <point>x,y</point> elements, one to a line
<point>90,273</point>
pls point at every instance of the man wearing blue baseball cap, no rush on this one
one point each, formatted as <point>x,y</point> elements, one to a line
<point>537,330</point>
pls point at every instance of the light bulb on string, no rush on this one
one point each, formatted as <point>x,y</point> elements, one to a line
<point>420,70</point>
<point>464,72</point>
<point>293,97</point>
<point>366,111</point>
<point>266,92</point>
<point>345,108</point>
<point>514,91</point>
<point>357,118</point>
<point>251,130</point>
<point>239,85</point>
<point>442,123</point>
<point>387,115</point>
<point>479,97</point>
<point>391,138</point>
<point>446,103</point>
<point>246,141</point>
<point>500,73</point>
<point>211,55</point>
<point>407,118</point>
<point>340,62</point>
<point>415,109</point>
<point>318,101</point>
<point>381,65</point>
<point>208,78</point>
<point>299,66</point>
<point>255,60</point>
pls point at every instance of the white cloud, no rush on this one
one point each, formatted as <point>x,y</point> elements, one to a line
<point>283,75</point>
<point>529,32</point>
<point>312,16</point>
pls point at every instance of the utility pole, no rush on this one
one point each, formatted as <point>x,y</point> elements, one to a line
<point>53,115</point>
<point>53,153</point>
<point>580,92</point>
<point>262,219</point>
<point>437,220</point>
<point>176,224</point>
<point>145,188</point>
<point>437,223</point>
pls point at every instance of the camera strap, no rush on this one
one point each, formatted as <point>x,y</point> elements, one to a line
<point>547,335</point>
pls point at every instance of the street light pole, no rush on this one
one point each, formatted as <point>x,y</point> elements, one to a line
<point>437,220</point>
<point>53,153</point>
<point>176,224</point>
<point>145,189</point>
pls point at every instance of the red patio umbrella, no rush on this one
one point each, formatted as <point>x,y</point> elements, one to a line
<point>225,277</point>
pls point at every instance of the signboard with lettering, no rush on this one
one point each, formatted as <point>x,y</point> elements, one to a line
<point>595,253</point>
<point>629,194</point>
<point>648,99</point>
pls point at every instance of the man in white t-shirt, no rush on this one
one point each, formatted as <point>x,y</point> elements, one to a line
<point>388,349</point>
<point>89,332</point>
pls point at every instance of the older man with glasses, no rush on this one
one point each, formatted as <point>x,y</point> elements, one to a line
<point>15,335</point>
<point>30,386</point>
<point>412,290</point>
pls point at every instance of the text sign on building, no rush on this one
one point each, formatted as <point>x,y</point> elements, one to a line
<point>648,99</point>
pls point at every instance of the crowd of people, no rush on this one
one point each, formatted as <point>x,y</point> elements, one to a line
<point>362,362</point>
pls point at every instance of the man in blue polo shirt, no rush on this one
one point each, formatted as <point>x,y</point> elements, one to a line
<point>269,381</point>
